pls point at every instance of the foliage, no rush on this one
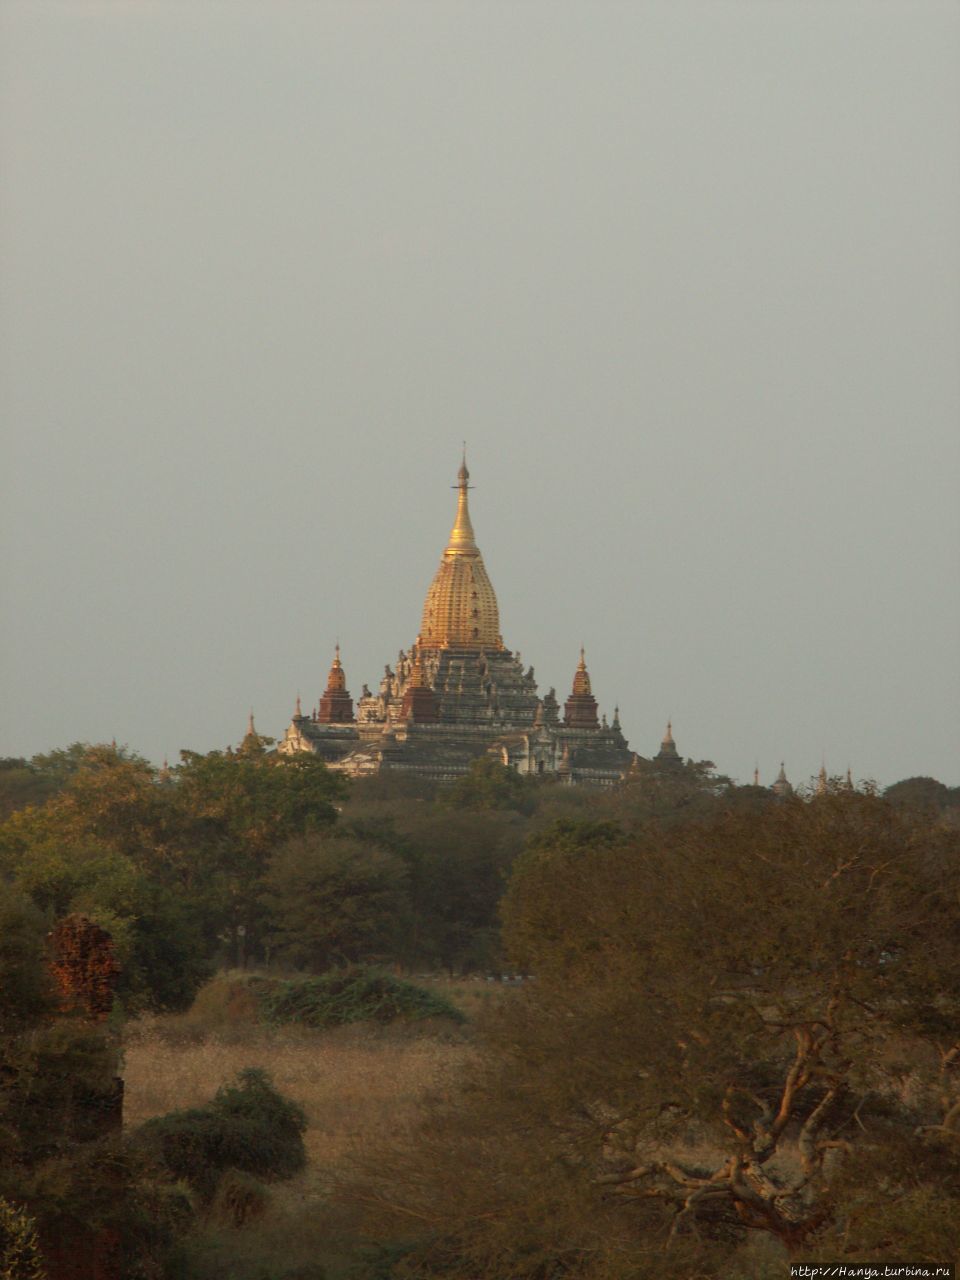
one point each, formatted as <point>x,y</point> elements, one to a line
<point>170,866</point>
<point>247,1127</point>
<point>96,848</point>
<point>350,995</point>
<point>670,794</point>
<point>333,900</point>
<point>458,864</point>
<point>240,807</point>
<point>490,784</point>
<point>20,1257</point>
<point>739,1029</point>
<point>924,794</point>
<point>25,987</point>
<point>239,1199</point>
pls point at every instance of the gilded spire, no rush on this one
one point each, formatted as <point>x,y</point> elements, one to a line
<point>581,677</point>
<point>337,679</point>
<point>462,540</point>
<point>460,610</point>
<point>580,709</point>
<point>668,736</point>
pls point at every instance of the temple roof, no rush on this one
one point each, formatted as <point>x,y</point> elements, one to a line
<point>581,677</point>
<point>460,610</point>
<point>336,680</point>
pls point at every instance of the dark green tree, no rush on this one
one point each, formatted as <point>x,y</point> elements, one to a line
<point>239,807</point>
<point>489,784</point>
<point>333,900</point>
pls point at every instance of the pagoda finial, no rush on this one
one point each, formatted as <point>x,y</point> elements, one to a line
<point>756,775</point>
<point>250,726</point>
<point>668,736</point>
<point>298,713</point>
<point>462,538</point>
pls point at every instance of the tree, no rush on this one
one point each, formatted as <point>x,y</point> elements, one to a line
<point>758,968</point>
<point>333,900</point>
<point>738,1030</point>
<point>20,785</point>
<point>924,794</point>
<point>458,864</point>
<point>158,933</point>
<point>489,784</point>
<point>240,807</point>
<point>668,794</point>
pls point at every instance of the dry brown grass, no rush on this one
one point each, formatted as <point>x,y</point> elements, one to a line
<point>362,1087</point>
<point>353,1083</point>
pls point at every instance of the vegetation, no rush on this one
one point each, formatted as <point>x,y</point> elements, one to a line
<point>350,995</point>
<point>774,1060</point>
<point>739,1046</point>
<point>248,1127</point>
<point>20,1257</point>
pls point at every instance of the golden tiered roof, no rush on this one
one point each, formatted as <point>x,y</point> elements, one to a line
<point>460,610</point>
<point>337,680</point>
<point>581,677</point>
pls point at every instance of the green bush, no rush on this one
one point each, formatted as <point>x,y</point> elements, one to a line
<point>350,995</point>
<point>248,1127</point>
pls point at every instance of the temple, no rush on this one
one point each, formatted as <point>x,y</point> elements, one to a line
<point>459,693</point>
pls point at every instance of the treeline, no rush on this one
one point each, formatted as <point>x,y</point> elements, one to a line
<point>742,1044</point>
<point>742,1050</point>
<point>246,856</point>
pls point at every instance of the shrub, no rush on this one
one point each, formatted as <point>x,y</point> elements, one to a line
<point>19,1251</point>
<point>240,1198</point>
<point>248,1127</point>
<point>351,995</point>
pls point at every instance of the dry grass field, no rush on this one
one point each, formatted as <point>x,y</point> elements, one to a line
<point>360,1086</point>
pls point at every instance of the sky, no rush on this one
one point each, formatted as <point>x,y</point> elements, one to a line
<point>685,277</point>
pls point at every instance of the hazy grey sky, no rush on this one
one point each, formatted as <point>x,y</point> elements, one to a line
<point>686,276</point>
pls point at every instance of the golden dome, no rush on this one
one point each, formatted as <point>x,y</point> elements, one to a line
<point>460,610</point>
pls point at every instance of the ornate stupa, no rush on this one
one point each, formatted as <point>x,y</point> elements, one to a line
<point>460,693</point>
<point>461,607</point>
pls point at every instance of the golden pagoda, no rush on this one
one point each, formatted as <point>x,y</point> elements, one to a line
<point>460,610</point>
<point>459,694</point>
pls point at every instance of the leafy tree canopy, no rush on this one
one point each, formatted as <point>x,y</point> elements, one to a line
<point>739,1028</point>
<point>333,900</point>
<point>490,784</point>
